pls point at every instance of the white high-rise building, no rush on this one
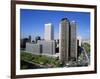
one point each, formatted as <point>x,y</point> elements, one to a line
<point>64,40</point>
<point>49,32</point>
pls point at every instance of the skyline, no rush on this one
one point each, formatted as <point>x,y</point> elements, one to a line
<point>32,22</point>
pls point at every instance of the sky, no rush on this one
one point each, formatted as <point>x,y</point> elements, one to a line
<point>32,22</point>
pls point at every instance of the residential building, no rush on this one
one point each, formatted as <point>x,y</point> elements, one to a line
<point>73,41</point>
<point>64,40</point>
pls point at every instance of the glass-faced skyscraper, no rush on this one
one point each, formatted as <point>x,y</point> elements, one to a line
<point>64,40</point>
<point>49,32</point>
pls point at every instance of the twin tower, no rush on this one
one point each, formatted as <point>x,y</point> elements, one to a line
<point>67,39</point>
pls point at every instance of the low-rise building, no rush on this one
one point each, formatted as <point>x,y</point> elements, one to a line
<point>42,47</point>
<point>33,48</point>
<point>48,47</point>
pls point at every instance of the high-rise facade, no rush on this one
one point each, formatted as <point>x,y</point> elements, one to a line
<point>64,40</point>
<point>67,41</point>
<point>49,32</point>
<point>73,41</point>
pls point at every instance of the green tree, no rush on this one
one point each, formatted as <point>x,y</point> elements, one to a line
<point>87,47</point>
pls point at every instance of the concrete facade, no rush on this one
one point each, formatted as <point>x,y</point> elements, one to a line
<point>64,40</point>
<point>67,40</point>
<point>48,47</point>
<point>73,41</point>
<point>41,48</point>
<point>33,48</point>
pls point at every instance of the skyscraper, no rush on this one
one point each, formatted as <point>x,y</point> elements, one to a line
<point>37,38</point>
<point>30,39</point>
<point>49,32</point>
<point>64,32</point>
<point>79,40</point>
<point>73,41</point>
<point>67,41</point>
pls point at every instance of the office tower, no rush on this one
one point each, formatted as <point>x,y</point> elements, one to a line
<point>73,41</point>
<point>79,41</point>
<point>49,32</point>
<point>23,42</point>
<point>30,38</point>
<point>37,38</point>
<point>64,40</point>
